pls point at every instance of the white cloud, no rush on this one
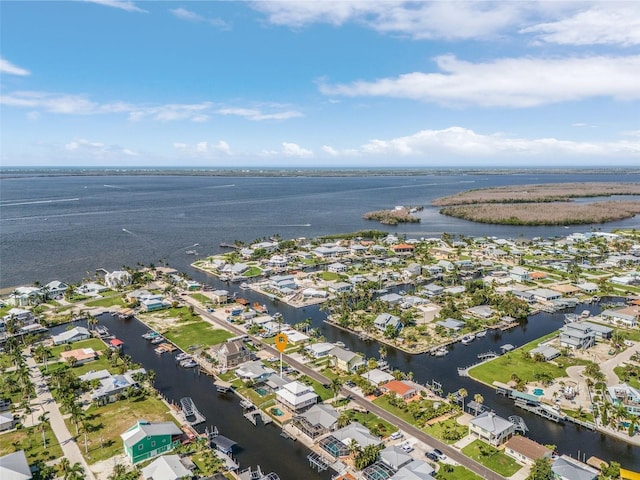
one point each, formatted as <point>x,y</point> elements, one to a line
<point>330,150</point>
<point>606,23</point>
<point>258,115</point>
<point>420,20</point>
<point>204,148</point>
<point>6,67</point>
<point>295,150</point>
<point>508,82</point>
<point>462,142</point>
<point>188,15</point>
<point>98,150</point>
<point>125,5</point>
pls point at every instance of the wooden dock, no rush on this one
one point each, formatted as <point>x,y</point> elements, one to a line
<point>190,412</point>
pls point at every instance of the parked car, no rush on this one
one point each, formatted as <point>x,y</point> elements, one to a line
<point>439,454</point>
<point>396,435</point>
<point>432,456</point>
<point>407,447</point>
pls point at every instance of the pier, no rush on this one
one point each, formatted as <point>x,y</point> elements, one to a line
<point>253,414</point>
<point>317,461</point>
<point>532,404</point>
<point>190,412</point>
<point>482,358</point>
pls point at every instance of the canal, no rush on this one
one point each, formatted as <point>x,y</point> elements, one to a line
<point>570,439</point>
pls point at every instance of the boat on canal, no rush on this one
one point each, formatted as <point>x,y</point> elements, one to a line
<point>467,339</point>
<point>188,363</point>
<point>157,339</point>
<point>150,335</point>
<point>440,352</point>
<point>182,356</point>
<point>481,334</point>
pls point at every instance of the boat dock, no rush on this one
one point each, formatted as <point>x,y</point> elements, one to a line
<point>253,414</point>
<point>190,412</point>
<point>317,461</point>
<point>532,404</point>
<point>482,358</point>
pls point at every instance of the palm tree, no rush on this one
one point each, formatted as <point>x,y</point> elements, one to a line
<point>77,415</point>
<point>336,385</point>
<point>44,421</point>
<point>462,393</point>
<point>479,399</point>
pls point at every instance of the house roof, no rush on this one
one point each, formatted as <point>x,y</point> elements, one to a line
<point>144,429</point>
<point>14,466</point>
<point>342,354</point>
<point>399,387</point>
<point>569,469</point>
<point>358,432</point>
<point>416,470</point>
<point>79,354</point>
<point>69,334</point>
<point>377,376</point>
<point>167,467</point>
<point>321,414</point>
<point>395,457</point>
<point>527,447</point>
<point>491,422</point>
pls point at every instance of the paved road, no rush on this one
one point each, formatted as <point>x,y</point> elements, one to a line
<point>451,452</point>
<point>47,404</point>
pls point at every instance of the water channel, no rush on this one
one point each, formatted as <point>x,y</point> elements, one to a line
<point>264,446</point>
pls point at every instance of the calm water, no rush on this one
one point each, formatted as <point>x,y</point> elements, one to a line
<point>66,227</point>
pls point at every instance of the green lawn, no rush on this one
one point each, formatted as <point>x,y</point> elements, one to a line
<point>106,302</point>
<point>30,440</point>
<point>323,393</point>
<point>254,396</point>
<point>439,430</point>
<point>383,402</point>
<point>329,276</point>
<point>456,473</point>
<point>520,363</point>
<point>491,458</point>
<point>200,298</point>
<point>109,421</point>
<point>252,272</point>
<point>196,333</point>
<point>376,425</point>
<point>632,381</point>
<point>95,343</point>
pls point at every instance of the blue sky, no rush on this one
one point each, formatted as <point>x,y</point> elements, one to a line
<point>319,83</point>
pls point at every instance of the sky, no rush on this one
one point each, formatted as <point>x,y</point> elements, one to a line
<point>319,83</point>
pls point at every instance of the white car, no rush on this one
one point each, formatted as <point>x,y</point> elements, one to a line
<point>396,435</point>
<point>407,447</point>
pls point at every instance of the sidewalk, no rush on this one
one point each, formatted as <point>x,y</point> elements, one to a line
<point>44,401</point>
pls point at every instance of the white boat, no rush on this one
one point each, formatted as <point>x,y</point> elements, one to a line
<point>440,352</point>
<point>467,339</point>
<point>244,286</point>
<point>339,344</point>
<point>182,356</point>
<point>585,314</point>
<point>157,339</point>
<point>481,334</point>
<point>191,252</point>
<point>188,363</point>
<point>571,317</point>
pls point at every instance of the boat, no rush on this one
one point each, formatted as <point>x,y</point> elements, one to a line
<point>260,308</point>
<point>244,286</point>
<point>224,277</point>
<point>188,363</point>
<point>182,356</point>
<point>571,317</point>
<point>191,252</point>
<point>467,339</point>
<point>595,298</point>
<point>157,339</point>
<point>149,335</point>
<point>585,314</point>
<point>481,334</point>
<point>339,344</point>
<point>440,352</point>
<point>102,331</point>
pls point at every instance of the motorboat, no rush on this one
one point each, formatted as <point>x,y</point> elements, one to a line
<point>157,339</point>
<point>467,339</point>
<point>244,286</point>
<point>182,356</point>
<point>481,334</point>
<point>440,352</point>
<point>188,363</point>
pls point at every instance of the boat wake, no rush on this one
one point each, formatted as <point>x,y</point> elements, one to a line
<point>36,202</point>
<point>221,186</point>
<point>293,225</point>
<point>112,186</point>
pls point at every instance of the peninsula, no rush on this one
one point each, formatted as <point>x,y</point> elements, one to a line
<point>398,215</point>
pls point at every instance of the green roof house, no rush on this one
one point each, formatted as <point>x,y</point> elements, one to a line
<point>147,440</point>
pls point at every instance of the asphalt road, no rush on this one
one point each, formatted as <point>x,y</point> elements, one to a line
<point>449,451</point>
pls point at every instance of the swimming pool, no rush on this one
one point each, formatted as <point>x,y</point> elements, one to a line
<point>261,391</point>
<point>277,412</point>
<point>538,392</point>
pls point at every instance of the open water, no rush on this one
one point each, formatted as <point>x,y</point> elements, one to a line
<point>66,227</point>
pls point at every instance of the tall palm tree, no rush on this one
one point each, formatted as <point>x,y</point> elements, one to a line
<point>462,393</point>
<point>77,415</point>
<point>479,399</point>
<point>44,422</point>
<point>336,385</point>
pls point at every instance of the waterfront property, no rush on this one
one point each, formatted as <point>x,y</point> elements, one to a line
<point>146,440</point>
<point>73,335</point>
<point>168,467</point>
<point>318,420</point>
<point>296,397</point>
<point>346,360</point>
<point>567,468</point>
<point>79,356</point>
<point>626,396</point>
<point>525,451</point>
<point>111,387</point>
<point>231,354</point>
<point>491,428</point>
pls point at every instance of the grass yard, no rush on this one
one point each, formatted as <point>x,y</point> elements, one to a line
<point>323,393</point>
<point>200,298</point>
<point>376,425</point>
<point>95,343</point>
<point>109,421</point>
<point>448,431</point>
<point>252,272</point>
<point>519,362</point>
<point>106,302</point>
<point>30,440</point>
<point>196,333</point>
<point>456,473</point>
<point>491,458</point>
<point>329,276</point>
<point>254,396</point>
<point>383,402</point>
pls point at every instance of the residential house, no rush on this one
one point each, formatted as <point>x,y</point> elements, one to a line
<point>566,468</point>
<point>318,420</point>
<point>526,451</point>
<point>14,466</point>
<point>340,287</point>
<point>383,320</point>
<point>81,355</point>
<point>358,432</point>
<point>111,387</point>
<point>432,290</point>
<point>118,279</point>
<point>412,270</point>
<point>146,440</point>
<point>220,296</point>
<point>588,287</point>
<point>278,261</point>
<point>91,289</point>
<point>337,267</point>
<point>254,371</point>
<point>400,388</point>
<point>416,470</point>
<point>391,298</point>
<point>394,457</point>
<point>491,428</point>
<point>520,274</point>
<point>377,377</point>
<point>627,316</point>
<point>548,352</point>
<point>296,397</point>
<point>450,324</point>
<point>318,350</point>
<point>283,282</point>
<point>23,296</point>
<point>577,336</point>
<point>54,289</point>
<point>403,249</point>
<point>544,294</point>
<point>7,422</point>
<point>346,360</point>
<point>481,311</point>
<point>168,467</point>
<point>151,303</point>
<point>627,396</point>
<point>231,354</point>
<point>70,336</point>
<point>602,331</point>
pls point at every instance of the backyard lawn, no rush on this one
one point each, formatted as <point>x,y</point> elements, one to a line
<point>383,401</point>
<point>109,421</point>
<point>456,473</point>
<point>448,431</point>
<point>106,302</point>
<point>491,458</point>
<point>375,424</point>
<point>200,298</point>
<point>95,343</point>
<point>30,440</point>
<point>196,333</point>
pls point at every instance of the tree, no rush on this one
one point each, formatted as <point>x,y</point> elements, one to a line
<point>541,470</point>
<point>336,385</point>
<point>44,421</point>
<point>479,399</point>
<point>462,393</point>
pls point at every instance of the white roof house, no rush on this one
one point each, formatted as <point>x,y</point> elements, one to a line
<point>70,336</point>
<point>416,470</point>
<point>14,466</point>
<point>566,468</point>
<point>318,350</point>
<point>118,278</point>
<point>296,396</point>
<point>359,433</point>
<point>395,457</point>
<point>167,467</point>
<point>491,428</point>
<point>377,377</point>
